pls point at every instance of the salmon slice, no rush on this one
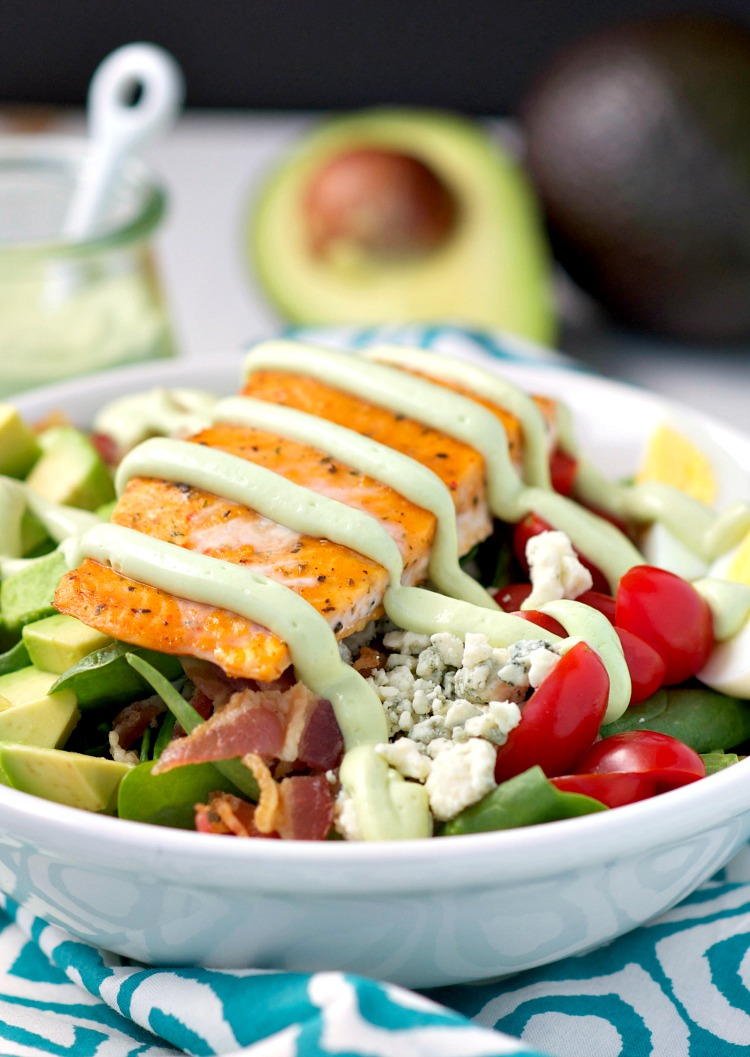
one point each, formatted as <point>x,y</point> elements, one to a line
<point>344,586</point>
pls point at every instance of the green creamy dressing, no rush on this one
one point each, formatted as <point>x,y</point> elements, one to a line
<point>729,603</point>
<point>154,413</point>
<point>60,522</point>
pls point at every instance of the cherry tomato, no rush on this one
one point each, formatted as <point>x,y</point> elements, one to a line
<point>542,620</point>
<point>605,604</point>
<point>561,718</point>
<point>645,665</point>
<point>563,469</point>
<point>512,597</point>
<point>633,766</point>
<point>533,525</point>
<point>668,613</point>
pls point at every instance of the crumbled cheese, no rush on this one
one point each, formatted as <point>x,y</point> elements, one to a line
<point>460,775</point>
<point>555,569</point>
<point>438,699</point>
<point>345,819</point>
<point>404,756</point>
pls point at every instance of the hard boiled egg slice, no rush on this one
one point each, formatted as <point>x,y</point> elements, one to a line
<point>672,458</point>
<point>728,668</point>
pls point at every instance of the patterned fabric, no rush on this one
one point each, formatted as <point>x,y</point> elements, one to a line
<point>679,987</point>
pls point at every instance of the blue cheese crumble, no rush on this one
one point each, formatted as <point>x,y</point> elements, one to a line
<point>449,703</point>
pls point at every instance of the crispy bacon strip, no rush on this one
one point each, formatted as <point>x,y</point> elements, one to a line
<point>227,814</point>
<point>321,745</point>
<point>267,808</point>
<point>243,725</point>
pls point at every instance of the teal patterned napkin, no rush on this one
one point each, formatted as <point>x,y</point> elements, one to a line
<point>678,987</point>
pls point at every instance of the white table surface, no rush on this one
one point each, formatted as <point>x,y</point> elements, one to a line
<point>211,165</point>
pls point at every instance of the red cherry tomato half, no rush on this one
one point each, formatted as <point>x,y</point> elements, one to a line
<point>605,604</point>
<point>668,613</point>
<point>633,766</point>
<point>645,665</point>
<point>542,620</point>
<point>533,525</point>
<point>563,469</point>
<point>561,718</point>
<point>614,790</point>
<point>512,597</point>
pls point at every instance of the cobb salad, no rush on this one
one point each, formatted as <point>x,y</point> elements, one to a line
<point>375,596</point>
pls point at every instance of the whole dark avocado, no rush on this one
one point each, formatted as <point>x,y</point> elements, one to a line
<point>638,141</point>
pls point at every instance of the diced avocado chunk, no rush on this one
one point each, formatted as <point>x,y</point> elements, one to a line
<point>46,722</point>
<point>26,685</point>
<point>71,471</point>
<point>86,782</point>
<point>19,448</point>
<point>27,595</point>
<point>58,642</point>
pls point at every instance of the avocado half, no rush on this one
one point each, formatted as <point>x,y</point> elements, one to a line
<point>490,267</point>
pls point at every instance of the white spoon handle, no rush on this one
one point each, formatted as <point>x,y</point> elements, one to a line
<point>119,128</point>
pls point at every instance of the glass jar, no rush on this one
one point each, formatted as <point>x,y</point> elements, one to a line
<point>71,307</point>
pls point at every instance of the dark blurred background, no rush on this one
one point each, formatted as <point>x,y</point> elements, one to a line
<point>475,55</point>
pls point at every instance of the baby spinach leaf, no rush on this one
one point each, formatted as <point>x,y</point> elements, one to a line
<point>525,800</point>
<point>105,677</point>
<point>169,799</point>
<point>703,719</point>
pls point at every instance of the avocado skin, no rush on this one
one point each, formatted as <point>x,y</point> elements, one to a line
<point>638,141</point>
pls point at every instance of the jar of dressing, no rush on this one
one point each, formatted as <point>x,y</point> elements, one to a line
<point>67,308</point>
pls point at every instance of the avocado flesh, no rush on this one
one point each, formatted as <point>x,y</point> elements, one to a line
<point>86,782</point>
<point>27,595</point>
<point>71,471</point>
<point>19,449</point>
<point>492,271</point>
<point>46,723</point>
<point>58,642</point>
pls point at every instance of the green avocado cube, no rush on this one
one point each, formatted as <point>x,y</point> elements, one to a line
<point>58,642</point>
<point>27,595</point>
<point>33,533</point>
<point>26,685</point>
<point>47,722</point>
<point>86,782</point>
<point>19,448</point>
<point>71,471</point>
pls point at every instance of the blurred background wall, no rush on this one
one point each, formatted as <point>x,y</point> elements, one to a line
<point>475,55</point>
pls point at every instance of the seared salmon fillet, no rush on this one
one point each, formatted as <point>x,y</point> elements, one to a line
<point>345,587</point>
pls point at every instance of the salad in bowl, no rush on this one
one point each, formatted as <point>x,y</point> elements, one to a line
<point>372,597</point>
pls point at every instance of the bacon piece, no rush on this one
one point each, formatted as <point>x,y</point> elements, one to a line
<point>130,724</point>
<point>267,810</point>
<point>305,808</point>
<point>227,814</point>
<point>243,725</point>
<point>321,745</point>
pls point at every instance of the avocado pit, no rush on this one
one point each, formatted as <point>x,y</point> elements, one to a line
<point>378,204</point>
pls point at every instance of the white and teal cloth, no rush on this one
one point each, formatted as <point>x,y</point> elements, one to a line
<point>678,987</point>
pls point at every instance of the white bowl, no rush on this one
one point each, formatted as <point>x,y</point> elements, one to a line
<point>421,913</point>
